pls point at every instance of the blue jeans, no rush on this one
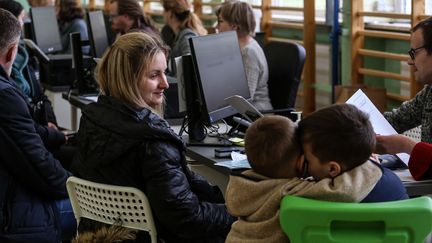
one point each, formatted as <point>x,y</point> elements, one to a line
<point>67,219</point>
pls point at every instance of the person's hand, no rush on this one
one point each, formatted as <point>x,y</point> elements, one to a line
<point>52,125</point>
<point>393,144</point>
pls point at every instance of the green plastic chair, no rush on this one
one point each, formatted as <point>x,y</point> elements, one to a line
<point>305,220</point>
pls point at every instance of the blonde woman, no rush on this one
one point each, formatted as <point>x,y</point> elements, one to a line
<point>124,140</point>
<point>184,23</point>
<point>238,16</point>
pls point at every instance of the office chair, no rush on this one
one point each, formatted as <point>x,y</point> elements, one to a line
<point>285,62</point>
<point>124,206</point>
<point>307,220</point>
<point>414,133</point>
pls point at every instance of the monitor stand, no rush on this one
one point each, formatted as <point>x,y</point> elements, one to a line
<point>208,142</point>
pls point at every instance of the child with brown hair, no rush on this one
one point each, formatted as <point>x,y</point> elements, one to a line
<point>339,138</point>
<point>274,152</point>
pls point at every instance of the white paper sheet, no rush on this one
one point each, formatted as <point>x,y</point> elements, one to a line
<point>380,125</point>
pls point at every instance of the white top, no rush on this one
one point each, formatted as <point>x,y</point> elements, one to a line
<point>257,74</point>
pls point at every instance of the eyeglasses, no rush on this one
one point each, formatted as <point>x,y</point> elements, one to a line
<point>412,51</point>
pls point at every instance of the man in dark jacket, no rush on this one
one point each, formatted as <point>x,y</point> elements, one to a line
<point>33,197</point>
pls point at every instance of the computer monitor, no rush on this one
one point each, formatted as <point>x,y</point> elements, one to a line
<point>84,83</point>
<point>220,73</point>
<point>45,29</point>
<point>213,72</point>
<point>97,33</point>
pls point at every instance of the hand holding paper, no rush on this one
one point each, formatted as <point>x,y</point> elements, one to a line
<point>380,125</point>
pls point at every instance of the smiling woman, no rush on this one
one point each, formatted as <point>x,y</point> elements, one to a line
<point>123,140</point>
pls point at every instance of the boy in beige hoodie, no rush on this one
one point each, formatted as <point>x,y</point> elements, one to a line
<point>274,152</point>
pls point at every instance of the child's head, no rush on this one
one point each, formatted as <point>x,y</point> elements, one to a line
<point>272,147</point>
<point>336,139</point>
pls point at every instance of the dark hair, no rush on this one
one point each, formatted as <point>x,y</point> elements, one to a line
<point>271,144</point>
<point>10,30</point>
<point>426,27</point>
<point>339,133</point>
<point>136,12</point>
<point>12,6</point>
<point>69,10</point>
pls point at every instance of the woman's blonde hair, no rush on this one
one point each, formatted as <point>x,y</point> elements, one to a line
<point>126,64</point>
<point>182,11</point>
<point>240,14</point>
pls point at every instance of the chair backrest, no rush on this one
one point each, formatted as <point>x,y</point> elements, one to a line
<point>414,133</point>
<point>124,206</point>
<point>285,62</point>
<point>306,220</point>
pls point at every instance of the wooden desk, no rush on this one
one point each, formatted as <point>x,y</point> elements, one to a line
<point>205,156</point>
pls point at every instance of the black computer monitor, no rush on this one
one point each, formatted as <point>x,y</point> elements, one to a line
<point>84,83</point>
<point>213,72</point>
<point>97,33</point>
<point>220,73</point>
<point>45,29</point>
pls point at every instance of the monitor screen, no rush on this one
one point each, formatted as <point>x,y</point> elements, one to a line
<point>97,33</point>
<point>45,29</point>
<point>220,72</point>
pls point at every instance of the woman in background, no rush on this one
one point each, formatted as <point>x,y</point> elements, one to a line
<point>125,141</point>
<point>70,16</point>
<point>238,16</point>
<point>184,23</point>
<point>127,15</point>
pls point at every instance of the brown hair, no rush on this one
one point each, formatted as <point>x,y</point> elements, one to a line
<point>182,12</point>
<point>240,14</point>
<point>271,145</point>
<point>41,3</point>
<point>426,27</point>
<point>341,133</point>
<point>10,30</point>
<point>125,64</point>
<point>69,10</point>
<point>136,12</point>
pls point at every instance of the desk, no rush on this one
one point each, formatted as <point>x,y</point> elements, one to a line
<point>77,102</point>
<point>203,164</point>
<point>205,155</point>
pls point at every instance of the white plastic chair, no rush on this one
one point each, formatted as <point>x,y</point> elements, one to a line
<point>124,206</point>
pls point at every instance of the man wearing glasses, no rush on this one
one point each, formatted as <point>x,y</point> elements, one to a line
<point>417,111</point>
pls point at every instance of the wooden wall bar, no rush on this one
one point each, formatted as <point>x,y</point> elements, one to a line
<point>358,34</point>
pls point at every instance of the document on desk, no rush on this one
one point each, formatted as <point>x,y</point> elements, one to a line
<point>238,161</point>
<point>379,123</point>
